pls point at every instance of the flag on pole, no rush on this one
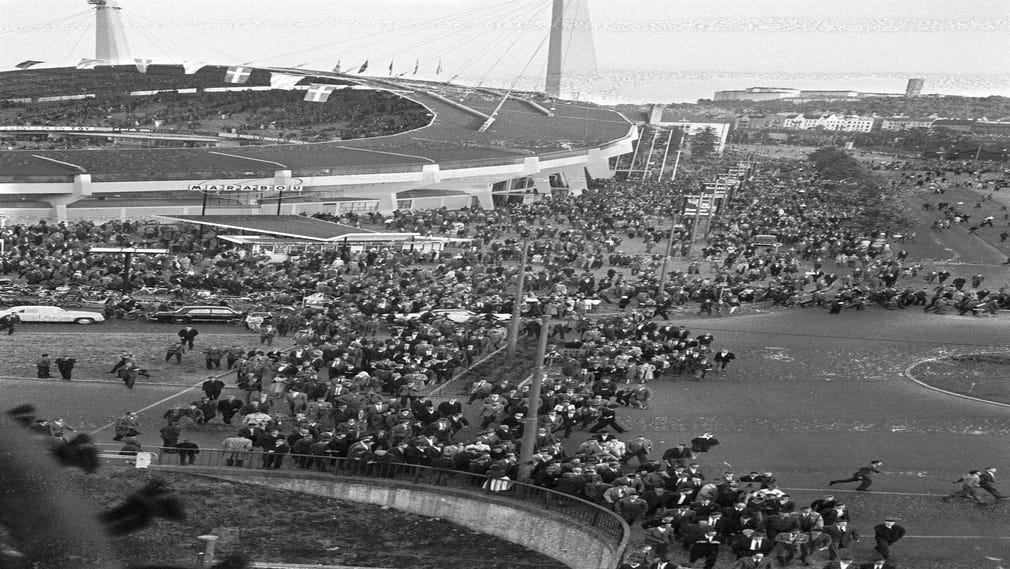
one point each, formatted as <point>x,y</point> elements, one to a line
<point>237,74</point>
<point>27,64</point>
<point>284,80</point>
<point>336,68</point>
<point>319,93</point>
<point>191,67</point>
<point>142,64</point>
<point>363,67</point>
<point>438,69</point>
<point>417,65</point>
<point>390,66</point>
<point>88,63</point>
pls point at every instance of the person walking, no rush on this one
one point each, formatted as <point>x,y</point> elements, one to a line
<point>842,536</point>
<point>886,534</point>
<point>66,366</point>
<point>608,418</point>
<point>212,357</point>
<point>969,488</point>
<point>987,482</point>
<point>187,335</point>
<point>175,350</point>
<point>212,388</point>
<point>42,365</point>
<point>863,476</point>
<point>722,359</point>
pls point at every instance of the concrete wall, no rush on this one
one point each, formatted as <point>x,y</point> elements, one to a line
<point>544,531</point>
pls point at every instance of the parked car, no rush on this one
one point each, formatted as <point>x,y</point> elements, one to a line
<point>53,314</point>
<point>199,314</point>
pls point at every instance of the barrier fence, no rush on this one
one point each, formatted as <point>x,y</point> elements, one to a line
<point>573,507</point>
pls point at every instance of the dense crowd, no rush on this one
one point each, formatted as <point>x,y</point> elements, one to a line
<point>354,385</point>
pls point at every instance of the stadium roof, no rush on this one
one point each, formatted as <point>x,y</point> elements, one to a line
<point>451,140</point>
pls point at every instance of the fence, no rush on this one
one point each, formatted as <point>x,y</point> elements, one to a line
<point>572,507</point>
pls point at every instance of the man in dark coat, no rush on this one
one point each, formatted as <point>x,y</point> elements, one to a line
<point>886,534</point>
<point>66,366</point>
<point>608,418</point>
<point>863,476</point>
<point>228,408</point>
<point>707,547</point>
<point>212,388</point>
<point>187,335</point>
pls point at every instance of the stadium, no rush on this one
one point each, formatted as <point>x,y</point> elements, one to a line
<point>475,146</point>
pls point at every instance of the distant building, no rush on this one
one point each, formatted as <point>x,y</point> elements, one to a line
<point>855,123</point>
<point>962,125</point>
<point>758,122</point>
<point>914,88</point>
<point>756,94</point>
<point>846,123</point>
<point>904,123</point>
<point>794,95</point>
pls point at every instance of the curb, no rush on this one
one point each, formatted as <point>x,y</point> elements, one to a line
<point>907,372</point>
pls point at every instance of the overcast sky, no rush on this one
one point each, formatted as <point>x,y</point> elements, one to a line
<point>503,38</point>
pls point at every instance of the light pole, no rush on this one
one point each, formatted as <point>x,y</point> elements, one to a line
<point>517,304</point>
<point>533,405</point>
<point>203,210</point>
<point>663,277</point>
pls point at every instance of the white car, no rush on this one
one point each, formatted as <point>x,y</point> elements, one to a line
<point>53,314</point>
<point>459,315</point>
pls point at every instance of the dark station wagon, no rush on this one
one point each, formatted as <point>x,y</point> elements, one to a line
<point>199,314</point>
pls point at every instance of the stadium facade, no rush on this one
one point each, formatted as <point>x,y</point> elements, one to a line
<point>478,153</point>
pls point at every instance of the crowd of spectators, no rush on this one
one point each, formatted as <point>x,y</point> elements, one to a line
<point>348,114</point>
<point>348,391</point>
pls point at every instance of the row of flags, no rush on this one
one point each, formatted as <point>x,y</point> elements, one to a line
<point>238,74</point>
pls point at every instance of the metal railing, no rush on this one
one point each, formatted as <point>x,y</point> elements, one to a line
<point>575,508</point>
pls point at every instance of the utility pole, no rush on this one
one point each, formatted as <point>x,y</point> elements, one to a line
<point>533,405</point>
<point>517,305</point>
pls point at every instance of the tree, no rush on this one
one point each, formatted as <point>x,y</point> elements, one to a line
<point>705,142</point>
<point>836,164</point>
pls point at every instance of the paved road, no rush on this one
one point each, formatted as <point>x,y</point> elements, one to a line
<point>812,396</point>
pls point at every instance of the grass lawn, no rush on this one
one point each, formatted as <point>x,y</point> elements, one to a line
<point>986,376</point>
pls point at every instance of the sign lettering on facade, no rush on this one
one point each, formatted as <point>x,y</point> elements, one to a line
<point>218,188</point>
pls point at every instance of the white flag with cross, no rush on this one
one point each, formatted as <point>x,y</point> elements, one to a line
<point>237,74</point>
<point>319,93</point>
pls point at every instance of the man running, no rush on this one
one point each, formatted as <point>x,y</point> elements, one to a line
<point>863,476</point>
